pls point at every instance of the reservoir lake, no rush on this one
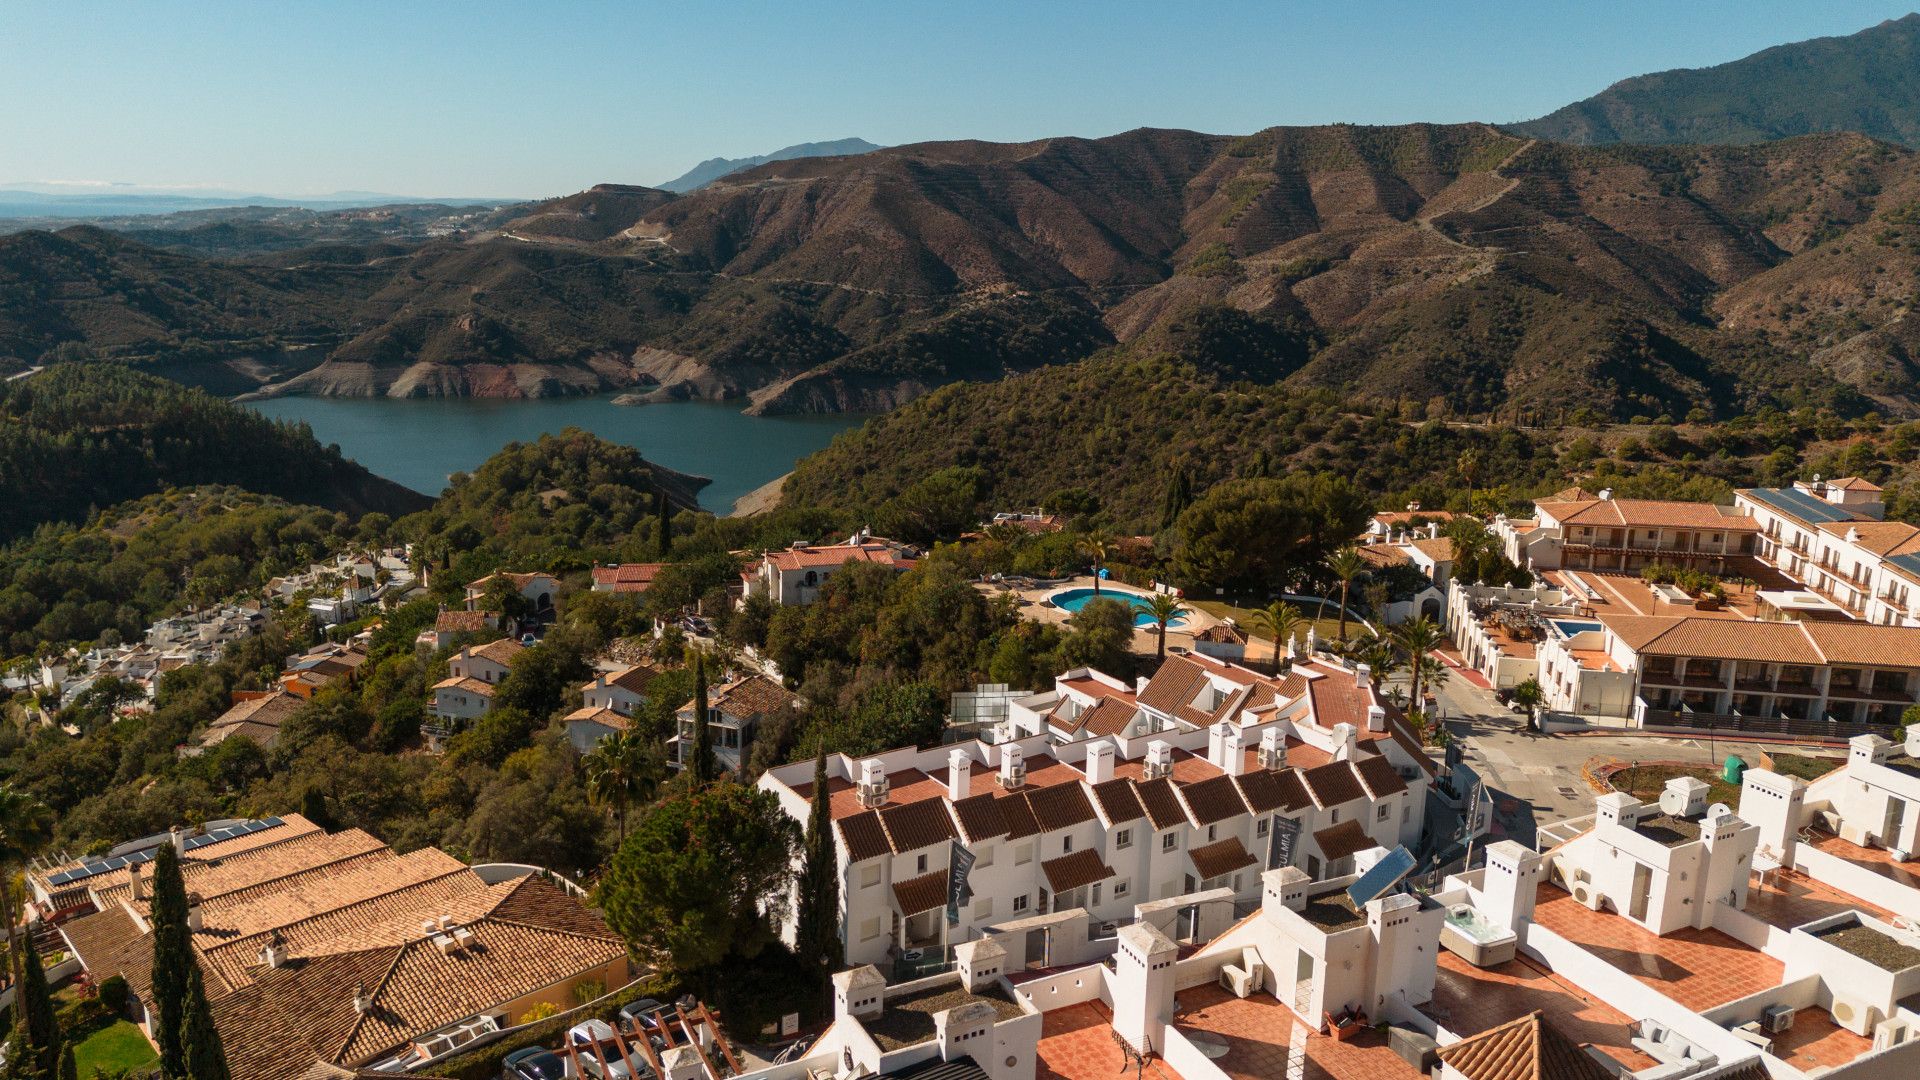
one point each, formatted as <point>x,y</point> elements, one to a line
<point>418,442</point>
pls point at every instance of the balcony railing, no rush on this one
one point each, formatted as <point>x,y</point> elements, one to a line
<point>1832,730</point>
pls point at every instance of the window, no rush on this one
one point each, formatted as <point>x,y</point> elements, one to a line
<point>869,929</point>
<point>983,907</point>
<point>1121,888</point>
<point>1260,827</point>
<point>1023,854</point>
<point>983,855</point>
<point>1213,831</point>
<point>1066,845</point>
<point>1169,841</point>
<point>920,865</point>
<point>1385,810</point>
<point>870,876</point>
<point>1122,839</point>
<point>1020,902</point>
<point>1406,813</point>
<point>1333,818</point>
<point>1313,866</point>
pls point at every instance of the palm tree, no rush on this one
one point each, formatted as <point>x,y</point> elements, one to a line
<point>1416,638</point>
<point>1281,622</point>
<point>26,824</point>
<point>1530,694</point>
<point>1164,607</point>
<point>1094,547</point>
<point>1469,464</point>
<point>1345,565</point>
<point>616,774</point>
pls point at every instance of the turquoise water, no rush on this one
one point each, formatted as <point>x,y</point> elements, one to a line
<point>420,441</point>
<point>1570,627</point>
<point>1075,599</point>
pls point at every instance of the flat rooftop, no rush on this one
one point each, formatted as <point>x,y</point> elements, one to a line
<point>1331,911</point>
<point>908,1019</point>
<point>1468,1000</point>
<point>1257,1038</point>
<point>1667,829</point>
<point>1870,943</point>
<point>1700,969</point>
<point>1076,1043</point>
<point>1878,860</point>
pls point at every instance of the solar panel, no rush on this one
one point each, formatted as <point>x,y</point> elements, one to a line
<point>115,864</point>
<point>1909,563</point>
<point>1801,505</point>
<point>1385,875</point>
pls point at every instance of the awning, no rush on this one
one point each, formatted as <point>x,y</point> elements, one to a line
<point>1342,840</point>
<point>924,893</point>
<point>1213,860</point>
<point>1069,872</point>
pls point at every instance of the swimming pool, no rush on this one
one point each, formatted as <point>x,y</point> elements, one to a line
<point>1075,599</point>
<point>1570,627</point>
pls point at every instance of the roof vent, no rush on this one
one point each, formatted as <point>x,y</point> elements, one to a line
<point>874,786</point>
<point>362,1004</point>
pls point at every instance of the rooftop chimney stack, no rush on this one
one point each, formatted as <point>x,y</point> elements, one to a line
<point>1273,748</point>
<point>1217,744</point>
<point>959,770</point>
<point>193,912</point>
<point>1099,764</point>
<point>361,1002</point>
<point>873,783</point>
<point>137,882</point>
<point>1376,718</point>
<point>1013,767</point>
<point>179,837</point>
<point>1363,676</point>
<point>1346,742</point>
<point>1234,760</point>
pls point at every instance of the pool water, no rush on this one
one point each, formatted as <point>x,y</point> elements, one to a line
<point>1570,627</point>
<point>1075,599</point>
<point>1474,925</point>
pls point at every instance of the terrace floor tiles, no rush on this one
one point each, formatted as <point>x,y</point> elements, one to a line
<point>1700,969</point>
<point>1468,1000</point>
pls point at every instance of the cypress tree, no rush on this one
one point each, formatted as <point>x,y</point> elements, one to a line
<point>172,958</point>
<point>702,764</point>
<point>817,934</point>
<point>663,510</point>
<point>313,807</point>
<point>206,1060</point>
<point>69,1070</point>
<point>42,1028</point>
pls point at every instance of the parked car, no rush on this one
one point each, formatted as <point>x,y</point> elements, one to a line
<point>533,1063</point>
<point>645,1015</point>
<point>599,1048</point>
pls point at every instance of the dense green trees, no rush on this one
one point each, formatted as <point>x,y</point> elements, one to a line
<point>703,876</point>
<point>173,960</point>
<point>1254,536</point>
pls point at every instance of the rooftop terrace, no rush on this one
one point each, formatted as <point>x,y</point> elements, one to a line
<point>1257,1038</point>
<point>1700,969</point>
<point>908,1019</point>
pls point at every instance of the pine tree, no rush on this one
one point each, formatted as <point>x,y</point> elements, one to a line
<point>200,1040</point>
<point>702,764</point>
<point>817,934</point>
<point>172,958</point>
<point>1179,497</point>
<point>42,1028</point>
<point>663,510</point>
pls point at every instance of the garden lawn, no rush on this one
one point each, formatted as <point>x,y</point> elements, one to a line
<point>115,1049</point>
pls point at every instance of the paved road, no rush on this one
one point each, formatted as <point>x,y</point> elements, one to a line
<point>1538,779</point>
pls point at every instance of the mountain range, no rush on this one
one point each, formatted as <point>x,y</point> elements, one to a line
<point>1467,268</point>
<point>714,168</point>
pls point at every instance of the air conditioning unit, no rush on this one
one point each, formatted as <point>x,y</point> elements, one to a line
<point>1013,775</point>
<point>1777,1019</point>
<point>1588,896</point>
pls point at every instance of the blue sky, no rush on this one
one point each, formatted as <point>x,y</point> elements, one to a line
<point>521,99</point>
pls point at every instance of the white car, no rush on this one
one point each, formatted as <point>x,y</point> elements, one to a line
<point>598,1048</point>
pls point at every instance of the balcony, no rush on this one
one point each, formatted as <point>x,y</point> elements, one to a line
<point>1831,730</point>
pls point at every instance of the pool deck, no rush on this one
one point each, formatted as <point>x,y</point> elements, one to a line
<point>1033,605</point>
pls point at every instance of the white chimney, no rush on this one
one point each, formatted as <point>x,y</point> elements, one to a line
<point>361,1002</point>
<point>1159,759</point>
<point>275,953</point>
<point>136,882</point>
<point>1234,760</point>
<point>1273,748</point>
<point>1433,530</point>
<point>1376,718</point>
<point>1099,765</point>
<point>179,838</point>
<point>1346,742</point>
<point>873,783</point>
<point>1013,767</point>
<point>193,911</point>
<point>959,770</point>
<point>1217,744</point>
<point>1363,676</point>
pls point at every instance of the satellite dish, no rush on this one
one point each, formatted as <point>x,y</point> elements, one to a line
<point>1673,803</point>
<point>1719,810</point>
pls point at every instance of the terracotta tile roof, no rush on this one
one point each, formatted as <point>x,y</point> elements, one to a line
<point>463,622</point>
<point>604,717</point>
<point>1072,871</point>
<point>1162,806</point>
<point>465,682</point>
<point>1021,822</point>
<point>862,835</point>
<point>1118,802</point>
<point>1222,634</point>
<point>1059,807</point>
<point>636,678</point>
<point>1649,514</point>
<point>1438,548</point>
<point>1811,643</point>
<point>263,865</point>
<point>240,914</point>
<point>980,817</point>
<point>627,577</point>
<point>1267,790</point>
<point>1175,684</point>
<point>1212,800</point>
<point>755,695</point>
<point>1528,1048</point>
<point>916,825</point>
<point>805,558</point>
<point>520,581</point>
<point>1332,784</point>
<point>1378,776</point>
<point>1110,716</point>
<point>1866,644</point>
<point>1854,483</point>
<point>924,893</point>
<point>503,652</point>
<point>1880,538</point>
<point>1384,555</point>
<point>110,941</point>
<point>1224,857</point>
<point>1342,840</point>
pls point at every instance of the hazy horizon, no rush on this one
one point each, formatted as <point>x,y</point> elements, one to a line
<point>503,100</point>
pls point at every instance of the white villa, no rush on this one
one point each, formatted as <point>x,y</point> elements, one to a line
<point>472,674</point>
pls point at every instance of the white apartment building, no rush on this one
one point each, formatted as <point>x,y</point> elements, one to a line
<point>1578,530</point>
<point>1829,535</point>
<point>1309,769</point>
